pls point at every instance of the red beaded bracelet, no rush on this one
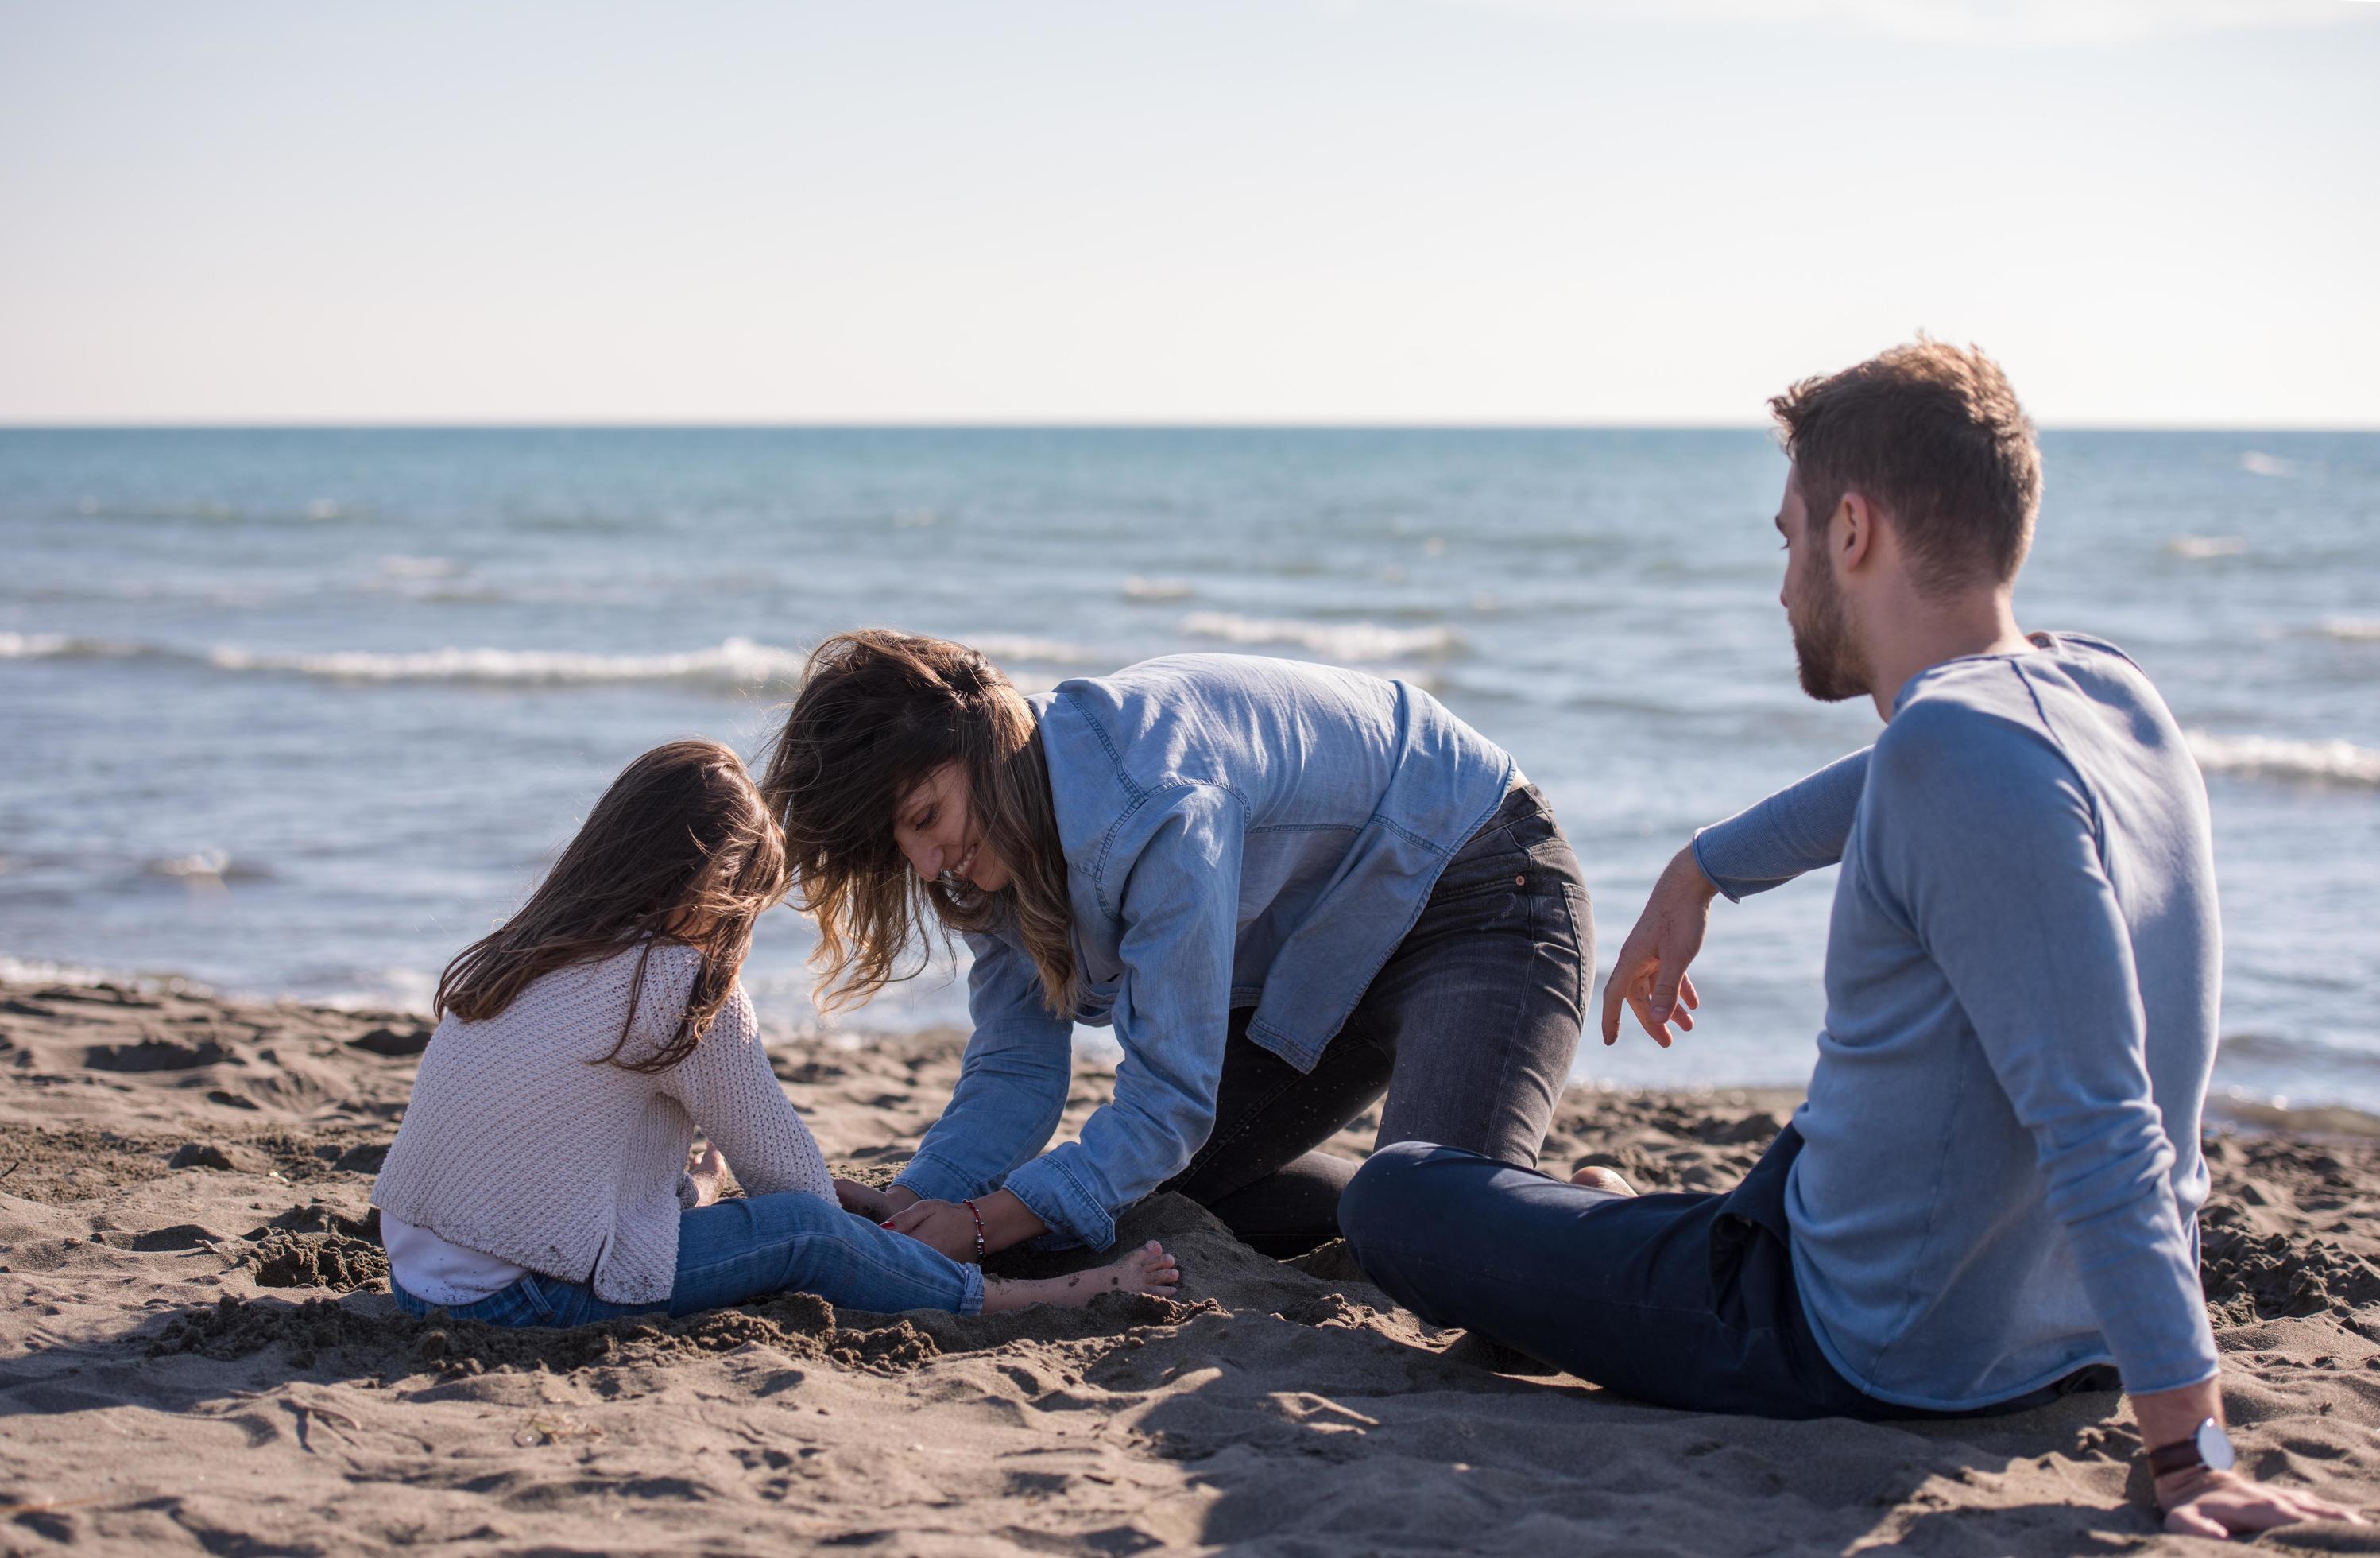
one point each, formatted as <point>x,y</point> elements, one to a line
<point>978,1230</point>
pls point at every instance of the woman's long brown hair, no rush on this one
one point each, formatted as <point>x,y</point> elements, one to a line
<point>879,712</point>
<point>680,847</point>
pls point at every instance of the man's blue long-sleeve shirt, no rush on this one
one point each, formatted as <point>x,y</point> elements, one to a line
<point>2001,1175</point>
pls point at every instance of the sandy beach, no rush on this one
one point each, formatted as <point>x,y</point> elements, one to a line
<point>199,1353</point>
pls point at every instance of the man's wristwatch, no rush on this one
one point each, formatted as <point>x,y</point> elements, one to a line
<point>2209,1447</point>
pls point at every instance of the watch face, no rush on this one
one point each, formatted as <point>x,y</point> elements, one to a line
<point>2214,1446</point>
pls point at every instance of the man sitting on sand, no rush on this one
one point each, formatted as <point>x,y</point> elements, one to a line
<point>1992,1190</point>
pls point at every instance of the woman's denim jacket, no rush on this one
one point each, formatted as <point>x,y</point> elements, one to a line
<point>1238,831</point>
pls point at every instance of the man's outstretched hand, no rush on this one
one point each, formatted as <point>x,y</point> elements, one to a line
<point>2200,1502</point>
<point>1650,974</point>
<point>2223,1503</point>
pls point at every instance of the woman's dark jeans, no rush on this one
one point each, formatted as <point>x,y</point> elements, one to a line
<point>1468,1028</point>
<point>1679,1300</point>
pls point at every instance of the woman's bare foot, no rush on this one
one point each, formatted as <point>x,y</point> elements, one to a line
<point>1146,1270</point>
<point>1596,1178</point>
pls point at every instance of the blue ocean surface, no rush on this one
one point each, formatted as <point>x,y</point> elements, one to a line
<point>303,713</point>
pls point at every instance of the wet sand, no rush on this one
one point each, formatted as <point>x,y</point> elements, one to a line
<point>197,1352</point>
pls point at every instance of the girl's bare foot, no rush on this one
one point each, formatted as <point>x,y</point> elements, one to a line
<point>1596,1178</point>
<point>1145,1270</point>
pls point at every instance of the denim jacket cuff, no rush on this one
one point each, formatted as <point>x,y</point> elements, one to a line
<point>1074,1215</point>
<point>936,1178</point>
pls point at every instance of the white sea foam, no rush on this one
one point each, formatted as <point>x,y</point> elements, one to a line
<point>398,565</point>
<point>59,646</point>
<point>2354,629</point>
<point>204,867</point>
<point>1332,640</point>
<point>2199,549</point>
<point>1140,589</point>
<point>2256,462</point>
<point>1003,648</point>
<point>41,971</point>
<point>36,970</point>
<point>211,863</point>
<point>382,990</point>
<point>2266,757</point>
<point>734,663</point>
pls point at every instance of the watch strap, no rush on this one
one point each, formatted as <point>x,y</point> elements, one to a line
<point>2181,1455</point>
<point>2207,1446</point>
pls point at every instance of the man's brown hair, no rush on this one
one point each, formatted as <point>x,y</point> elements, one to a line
<point>1933,436</point>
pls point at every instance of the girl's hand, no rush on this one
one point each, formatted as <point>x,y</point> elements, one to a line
<point>708,1174</point>
<point>867,1200</point>
<point>945,1226</point>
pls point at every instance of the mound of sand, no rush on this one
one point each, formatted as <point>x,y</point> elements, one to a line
<point>201,1354</point>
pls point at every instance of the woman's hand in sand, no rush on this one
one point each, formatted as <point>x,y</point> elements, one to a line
<point>870,1201</point>
<point>1650,973</point>
<point>710,1176</point>
<point>945,1226</point>
<point>951,1228</point>
<point>2201,1503</point>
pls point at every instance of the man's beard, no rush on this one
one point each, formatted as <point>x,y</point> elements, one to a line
<point>1831,665</point>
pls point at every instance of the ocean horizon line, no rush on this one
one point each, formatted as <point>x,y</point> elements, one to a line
<point>1060,425</point>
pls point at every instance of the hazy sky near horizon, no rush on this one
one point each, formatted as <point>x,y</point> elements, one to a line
<point>2153,212</point>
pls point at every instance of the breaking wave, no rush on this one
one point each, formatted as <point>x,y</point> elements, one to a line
<point>39,970</point>
<point>2264,757</point>
<point>204,867</point>
<point>733,662</point>
<point>1002,648</point>
<point>313,511</point>
<point>59,646</point>
<point>1339,641</point>
<point>2244,1111</point>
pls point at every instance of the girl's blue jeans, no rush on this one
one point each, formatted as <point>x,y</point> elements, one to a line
<point>735,1251</point>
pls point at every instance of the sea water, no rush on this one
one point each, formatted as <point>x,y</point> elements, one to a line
<point>304,713</point>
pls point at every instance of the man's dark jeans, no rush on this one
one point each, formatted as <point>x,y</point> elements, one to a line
<point>1469,1029</point>
<point>1679,1300</point>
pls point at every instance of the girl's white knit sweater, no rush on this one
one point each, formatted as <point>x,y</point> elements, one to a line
<point>516,1146</point>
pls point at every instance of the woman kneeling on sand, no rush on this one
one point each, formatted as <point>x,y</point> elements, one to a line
<point>541,1177</point>
<point>1288,888</point>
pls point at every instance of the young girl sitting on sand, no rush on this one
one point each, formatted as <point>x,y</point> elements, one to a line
<point>541,1177</point>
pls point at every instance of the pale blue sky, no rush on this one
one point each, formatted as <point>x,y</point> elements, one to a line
<point>1507,211</point>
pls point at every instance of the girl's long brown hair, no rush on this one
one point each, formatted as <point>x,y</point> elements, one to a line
<point>680,847</point>
<point>878,713</point>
